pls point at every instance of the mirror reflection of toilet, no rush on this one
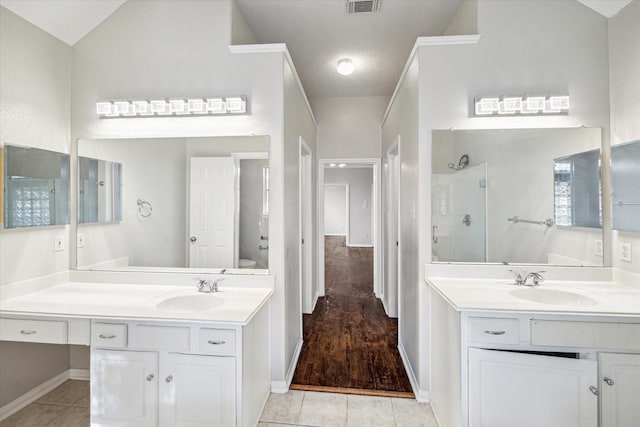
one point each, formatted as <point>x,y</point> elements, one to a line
<point>246,263</point>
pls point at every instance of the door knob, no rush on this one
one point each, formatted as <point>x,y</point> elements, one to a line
<point>608,380</point>
<point>149,377</point>
<point>193,239</point>
<point>169,378</point>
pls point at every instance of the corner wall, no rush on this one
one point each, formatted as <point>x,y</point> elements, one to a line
<point>624,69</point>
<point>35,104</point>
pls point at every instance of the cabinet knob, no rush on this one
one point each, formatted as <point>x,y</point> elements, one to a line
<point>608,380</point>
<point>495,332</point>
<point>212,342</point>
<point>594,390</point>
<point>149,377</point>
<point>169,378</point>
<point>27,332</point>
<point>107,337</point>
<point>193,239</point>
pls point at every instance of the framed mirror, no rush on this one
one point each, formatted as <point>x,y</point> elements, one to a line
<point>498,196</point>
<point>36,187</point>
<point>625,193</point>
<point>99,191</point>
<point>198,203</point>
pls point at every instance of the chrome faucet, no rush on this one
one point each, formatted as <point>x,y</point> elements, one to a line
<point>521,277</point>
<point>208,286</point>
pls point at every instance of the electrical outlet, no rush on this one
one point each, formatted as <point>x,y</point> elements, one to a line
<point>58,243</point>
<point>599,250</point>
<point>625,252</point>
<point>81,238</point>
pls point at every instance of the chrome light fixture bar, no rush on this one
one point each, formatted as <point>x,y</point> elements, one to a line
<point>232,105</point>
<point>491,106</point>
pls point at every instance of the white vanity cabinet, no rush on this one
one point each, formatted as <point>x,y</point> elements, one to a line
<point>160,374</point>
<point>620,389</point>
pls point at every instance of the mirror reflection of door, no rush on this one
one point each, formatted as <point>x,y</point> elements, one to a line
<point>459,215</point>
<point>212,212</point>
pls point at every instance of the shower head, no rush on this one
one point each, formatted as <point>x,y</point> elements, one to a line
<point>462,163</point>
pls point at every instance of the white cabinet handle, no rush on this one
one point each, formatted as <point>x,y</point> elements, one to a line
<point>608,380</point>
<point>107,337</point>
<point>212,342</point>
<point>594,390</point>
<point>495,332</point>
<point>149,377</point>
<point>27,332</point>
<point>169,378</point>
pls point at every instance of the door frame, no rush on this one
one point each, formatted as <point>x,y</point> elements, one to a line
<point>237,156</point>
<point>305,210</point>
<point>377,223</point>
<point>391,299</point>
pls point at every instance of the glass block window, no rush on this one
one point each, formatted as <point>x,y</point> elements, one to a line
<point>562,192</point>
<point>30,201</point>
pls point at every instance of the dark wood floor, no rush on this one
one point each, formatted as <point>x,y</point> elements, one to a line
<point>349,342</point>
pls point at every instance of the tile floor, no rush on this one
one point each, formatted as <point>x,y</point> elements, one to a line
<point>68,406</point>
<point>312,409</point>
<point>65,406</point>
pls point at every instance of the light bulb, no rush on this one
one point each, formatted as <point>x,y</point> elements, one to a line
<point>345,67</point>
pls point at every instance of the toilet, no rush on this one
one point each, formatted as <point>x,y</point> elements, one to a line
<point>246,263</point>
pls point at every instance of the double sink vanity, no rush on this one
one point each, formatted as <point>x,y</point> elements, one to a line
<point>563,353</point>
<point>162,353</point>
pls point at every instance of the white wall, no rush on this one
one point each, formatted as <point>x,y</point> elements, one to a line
<point>298,122</point>
<point>349,127</point>
<point>335,209</point>
<point>624,57</point>
<point>360,181</point>
<point>35,104</point>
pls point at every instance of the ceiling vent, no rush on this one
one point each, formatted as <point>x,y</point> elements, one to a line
<point>357,7</point>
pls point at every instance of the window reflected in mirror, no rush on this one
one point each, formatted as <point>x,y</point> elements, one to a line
<point>99,191</point>
<point>36,187</point>
<point>578,190</point>
<point>625,189</point>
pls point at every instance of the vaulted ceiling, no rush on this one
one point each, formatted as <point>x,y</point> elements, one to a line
<point>318,33</point>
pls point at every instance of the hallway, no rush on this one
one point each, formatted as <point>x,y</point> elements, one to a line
<point>349,342</point>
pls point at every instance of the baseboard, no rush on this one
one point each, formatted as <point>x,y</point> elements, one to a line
<point>356,245</point>
<point>79,374</point>
<point>283,386</point>
<point>315,301</point>
<point>32,395</point>
<point>421,395</point>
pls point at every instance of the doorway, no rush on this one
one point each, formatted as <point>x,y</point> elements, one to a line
<point>350,343</point>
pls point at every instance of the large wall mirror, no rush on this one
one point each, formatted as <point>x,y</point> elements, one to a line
<point>625,190</point>
<point>36,187</point>
<point>199,203</point>
<point>524,196</point>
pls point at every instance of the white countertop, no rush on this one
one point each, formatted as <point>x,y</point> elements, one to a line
<point>606,298</point>
<point>133,301</point>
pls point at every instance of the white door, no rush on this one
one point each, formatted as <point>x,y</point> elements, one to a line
<point>124,388</point>
<point>212,212</point>
<point>508,389</point>
<point>198,391</point>
<point>620,389</point>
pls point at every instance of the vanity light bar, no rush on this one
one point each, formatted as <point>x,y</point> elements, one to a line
<point>172,107</point>
<point>521,105</point>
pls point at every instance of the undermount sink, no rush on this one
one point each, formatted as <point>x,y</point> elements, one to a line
<point>552,296</point>
<point>190,303</point>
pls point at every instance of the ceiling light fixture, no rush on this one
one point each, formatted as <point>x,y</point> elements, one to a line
<point>232,105</point>
<point>521,105</point>
<point>345,66</point>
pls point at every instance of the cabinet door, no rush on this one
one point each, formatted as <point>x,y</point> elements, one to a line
<point>620,389</point>
<point>508,389</point>
<point>124,388</point>
<point>198,391</point>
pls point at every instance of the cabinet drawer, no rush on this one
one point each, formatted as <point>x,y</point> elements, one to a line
<point>217,341</point>
<point>44,331</point>
<point>113,335</point>
<point>494,330</point>
<point>174,338</point>
<point>602,335</point>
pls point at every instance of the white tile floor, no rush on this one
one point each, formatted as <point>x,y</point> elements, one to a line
<point>312,409</point>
